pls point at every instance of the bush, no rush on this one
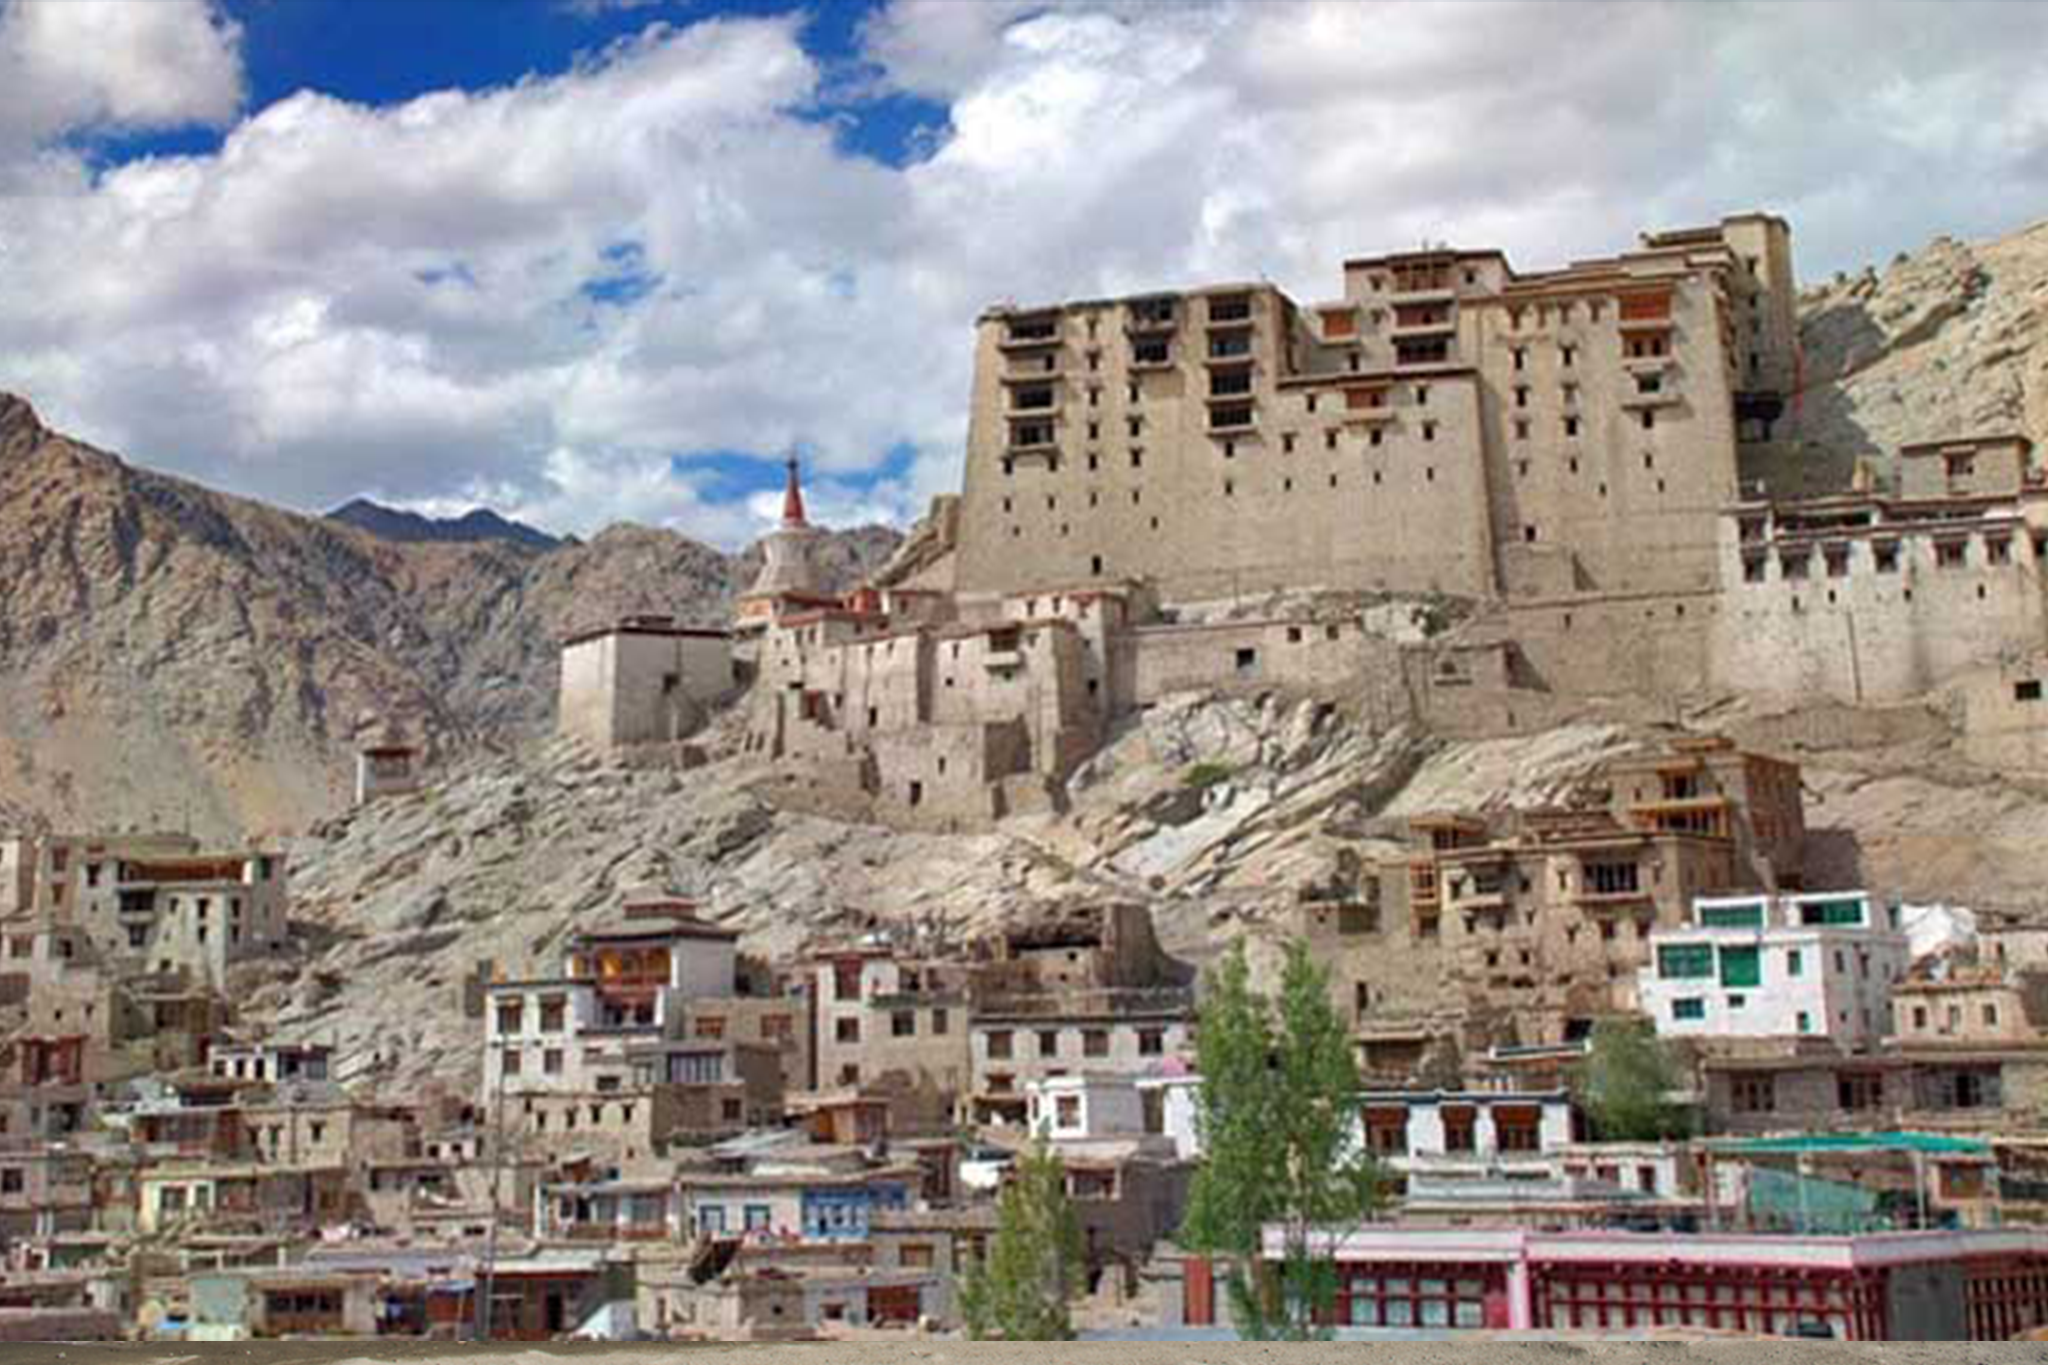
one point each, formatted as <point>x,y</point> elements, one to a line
<point>1203,775</point>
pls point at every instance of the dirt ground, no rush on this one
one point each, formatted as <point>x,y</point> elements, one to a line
<point>928,1351</point>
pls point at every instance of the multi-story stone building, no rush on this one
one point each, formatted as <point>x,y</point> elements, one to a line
<point>1968,1004</point>
<point>1868,596</point>
<point>883,1019</point>
<point>156,902</point>
<point>1524,927</point>
<point>1447,425</point>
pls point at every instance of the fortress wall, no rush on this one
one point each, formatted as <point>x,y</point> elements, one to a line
<point>1869,636</point>
<point>1653,644</point>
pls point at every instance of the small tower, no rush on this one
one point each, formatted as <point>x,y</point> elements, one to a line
<point>789,571</point>
<point>387,763</point>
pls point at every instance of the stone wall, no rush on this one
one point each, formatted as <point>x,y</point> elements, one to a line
<point>1854,631</point>
<point>641,685</point>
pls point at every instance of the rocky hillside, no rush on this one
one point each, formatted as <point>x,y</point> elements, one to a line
<point>1949,340</point>
<point>174,656</point>
<point>398,903</point>
<point>1214,813</point>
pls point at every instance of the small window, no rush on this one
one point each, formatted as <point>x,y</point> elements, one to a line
<point>1247,660</point>
<point>2027,689</point>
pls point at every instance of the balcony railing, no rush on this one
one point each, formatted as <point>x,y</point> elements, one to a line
<point>1152,318</point>
<point>1026,335</point>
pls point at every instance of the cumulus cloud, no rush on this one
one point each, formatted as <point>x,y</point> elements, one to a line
<point>71,65</point>
<point>557,296</point>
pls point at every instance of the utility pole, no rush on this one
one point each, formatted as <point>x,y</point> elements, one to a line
<point>485,1281</point>
<point>1920,1184</point>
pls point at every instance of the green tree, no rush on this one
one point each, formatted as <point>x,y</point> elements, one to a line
<point>1035,1264</point>
<point>1275,1107</point>
<point>1624,1084</point>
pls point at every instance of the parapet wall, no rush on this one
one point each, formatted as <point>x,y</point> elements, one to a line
<point>1866,636</point>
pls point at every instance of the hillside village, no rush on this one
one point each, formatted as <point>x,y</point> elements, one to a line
<point>1534,645</point>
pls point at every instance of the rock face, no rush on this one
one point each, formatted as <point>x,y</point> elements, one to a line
<point>1213,813</point>
<point>176,657</point>
<point>1951,340</point>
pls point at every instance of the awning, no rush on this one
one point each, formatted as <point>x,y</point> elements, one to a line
<point>1821,1143</point>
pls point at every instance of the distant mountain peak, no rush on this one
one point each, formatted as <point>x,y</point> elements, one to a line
<point>479,524</point>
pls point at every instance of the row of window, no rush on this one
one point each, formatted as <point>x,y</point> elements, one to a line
<point>1036,436</point>
<point>902,1023</point>
<point>1002,1044</point>
<point>1795,563</point>
<point>1742,964</point>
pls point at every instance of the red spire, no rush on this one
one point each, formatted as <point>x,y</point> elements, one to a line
<point>793,499</point>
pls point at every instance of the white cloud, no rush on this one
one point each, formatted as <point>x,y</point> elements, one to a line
<point>69,65</point>
<point>592,8</point>
<point>537,295</point>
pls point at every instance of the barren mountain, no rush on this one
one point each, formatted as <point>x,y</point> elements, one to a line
<point>174,656</point>
<point>391,523</point>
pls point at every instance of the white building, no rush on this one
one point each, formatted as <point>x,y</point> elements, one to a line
<point>623,982</point>
<point>1401,1126</point>
<point>1818,965</point>
<point>645,680</point>
<point>1069,1108</point>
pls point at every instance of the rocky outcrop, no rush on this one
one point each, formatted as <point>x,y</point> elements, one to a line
<point>174,656</point>
<point>1216,814</point>
<point>1950,340</point>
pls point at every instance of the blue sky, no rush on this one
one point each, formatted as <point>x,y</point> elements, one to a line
<point>615,260</point>
<point>386,51</point>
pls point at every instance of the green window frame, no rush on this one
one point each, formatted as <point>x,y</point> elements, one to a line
<point>1795,962</point>
<point>1747,916</point>
<point>1845,910</point>
<point>1691,1007</point>
<point>1684,961</point>
<point>1741,966</point>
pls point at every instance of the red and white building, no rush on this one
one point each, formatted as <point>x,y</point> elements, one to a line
<point>1911,1286</point>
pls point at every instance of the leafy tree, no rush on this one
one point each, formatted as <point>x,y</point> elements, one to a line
<point>1275,1107</point>
<point>1035,1265</point>
<point>1625,1083</point>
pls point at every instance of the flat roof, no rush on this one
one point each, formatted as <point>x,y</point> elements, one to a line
<point>646,628</point>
